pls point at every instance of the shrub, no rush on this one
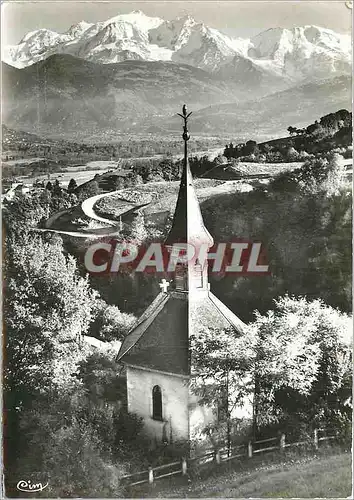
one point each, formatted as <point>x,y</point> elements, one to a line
<point>72,458</point>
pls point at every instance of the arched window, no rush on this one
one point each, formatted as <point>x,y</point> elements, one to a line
<point>180,277</point>
<point>157,403</point>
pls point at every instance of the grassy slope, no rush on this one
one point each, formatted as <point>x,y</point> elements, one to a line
<point>308,477</point>
<point>325,477</point>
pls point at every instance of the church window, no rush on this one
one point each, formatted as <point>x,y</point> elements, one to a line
<point>198,271</point>
<point>157,403</point>
<point>180,277</point>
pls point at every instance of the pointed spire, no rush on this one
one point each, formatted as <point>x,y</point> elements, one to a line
<point>188,225</point>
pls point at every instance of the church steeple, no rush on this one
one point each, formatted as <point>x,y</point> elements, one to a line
<point>157,354</point>
<point>188,225</point>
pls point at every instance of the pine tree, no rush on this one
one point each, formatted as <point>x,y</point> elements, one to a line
<point>72,185</point>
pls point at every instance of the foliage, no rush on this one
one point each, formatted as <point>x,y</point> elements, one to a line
<point>304,221</point>
<point>200,165</point>
<point>303,365</point>
<point>58,397</point>
<point>110,323</point>
<point>87,190</point>
<point>98,374</point>
<point>222,366</point>
<point>48,307</point>
<point>72,185</point>
<point>333,130</point>
<point>316,176</point>
<point>68,441</point>
<point>155,170</point>
<point>129,428</point>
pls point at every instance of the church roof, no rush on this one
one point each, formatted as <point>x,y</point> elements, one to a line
<point>210,312</point>
<point>188,225</point>
<point>160,338</point>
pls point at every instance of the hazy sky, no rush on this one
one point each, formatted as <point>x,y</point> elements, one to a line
<point>237,18</point>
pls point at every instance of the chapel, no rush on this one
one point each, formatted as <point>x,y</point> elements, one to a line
<point>156,351</point>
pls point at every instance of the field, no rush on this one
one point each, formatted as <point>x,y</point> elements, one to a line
<point>81,173</point>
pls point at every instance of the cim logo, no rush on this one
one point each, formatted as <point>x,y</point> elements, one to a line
<point>29,487</point>
<point>238,257</point>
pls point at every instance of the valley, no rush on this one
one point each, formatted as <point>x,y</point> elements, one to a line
<point>129,74</point>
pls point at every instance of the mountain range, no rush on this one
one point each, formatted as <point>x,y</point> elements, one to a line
<point>293,54</point>
<point>132,72</point>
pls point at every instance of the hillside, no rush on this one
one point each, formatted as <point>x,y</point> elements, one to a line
<point>269,116</point>
<point>71,94</point>
<point>76,97</point>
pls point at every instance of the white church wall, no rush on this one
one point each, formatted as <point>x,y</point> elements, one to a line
<point>140,383</point>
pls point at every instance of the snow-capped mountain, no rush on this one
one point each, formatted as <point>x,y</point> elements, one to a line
<point>290,55</point>
<point>196,44</point>
<point>302,52</point>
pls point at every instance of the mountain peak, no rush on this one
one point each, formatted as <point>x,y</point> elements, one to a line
<point>79,28</point>
<point>139,19</point>
<point>39,32</point>
<point>295,54</point>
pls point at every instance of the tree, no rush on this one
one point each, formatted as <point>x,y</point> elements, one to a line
<point>111,323</point>
<point>72,185</point>
<point>303,364</point>
<point>250,148</point>
<point>47,309</point>
<point>292,154</point>
<point>313,129</point>
<point>291,130</point>
<point>220,160</point>
<point>138,232</point>
<point>88,189</point>
<point>221,364</point>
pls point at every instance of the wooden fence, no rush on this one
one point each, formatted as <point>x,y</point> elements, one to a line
<point>218,456</point>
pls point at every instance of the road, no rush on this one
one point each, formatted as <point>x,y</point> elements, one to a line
<point>87,207</point>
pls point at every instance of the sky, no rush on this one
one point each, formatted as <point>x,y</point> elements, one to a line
<point>236,18</point>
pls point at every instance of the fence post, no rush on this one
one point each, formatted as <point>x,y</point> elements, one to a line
<point>249,449</point>
<point>315,438</point>
<point>151,475</point>
<point>184,466</point>
<point>217,457</point>
<point>282,441</point>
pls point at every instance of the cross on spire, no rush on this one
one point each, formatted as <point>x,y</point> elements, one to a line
<point>164,285</point>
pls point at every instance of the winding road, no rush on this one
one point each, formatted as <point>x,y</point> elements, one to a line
<point>87,207</point>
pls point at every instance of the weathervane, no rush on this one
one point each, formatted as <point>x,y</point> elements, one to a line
<point>185,135</point>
